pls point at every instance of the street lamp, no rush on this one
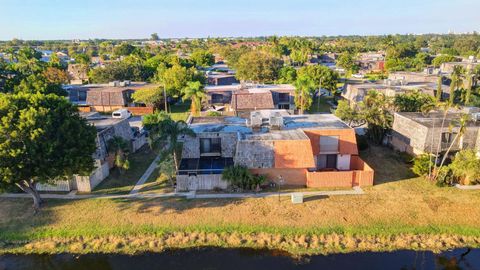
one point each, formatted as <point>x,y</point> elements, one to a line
<point>280,183</point>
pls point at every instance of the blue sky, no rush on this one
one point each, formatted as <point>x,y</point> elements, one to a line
<point>65,19</point>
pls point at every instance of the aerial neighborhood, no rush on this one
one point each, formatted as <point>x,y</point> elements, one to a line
<point>210,134</point>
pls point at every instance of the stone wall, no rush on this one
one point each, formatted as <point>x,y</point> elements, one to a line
<point>191,146</point>
<point>255,154</point>
<point>408,135</point>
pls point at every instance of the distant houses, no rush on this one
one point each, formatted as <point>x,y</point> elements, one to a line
<point>243,98</point>
<point>108,97</point>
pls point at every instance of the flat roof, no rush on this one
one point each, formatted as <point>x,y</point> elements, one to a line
<point>290,123</point>
<point>100,122</point>
<point>436,119</point>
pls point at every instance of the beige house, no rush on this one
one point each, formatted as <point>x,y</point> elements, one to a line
<point>107,128</point>
<point>416,133</point>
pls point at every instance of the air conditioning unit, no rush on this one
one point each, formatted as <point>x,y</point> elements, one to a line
<point>276,121</point>
<point>476,117</point>
<point>114,84</point>
<point>255,119</point>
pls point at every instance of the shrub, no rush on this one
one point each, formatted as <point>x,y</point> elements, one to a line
<point>422,164</point>
<point>466,167</point>
<point>240,176</point>
<point>213,113</point>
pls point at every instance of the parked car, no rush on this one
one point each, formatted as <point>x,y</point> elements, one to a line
<point>122,113</point>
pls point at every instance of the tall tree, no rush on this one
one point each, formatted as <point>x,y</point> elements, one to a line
<point>162,129</point>
<point>42,139</point>
<point>257,66</point>
<point>457,81</point>
<point>118,146</point>
<point>195,92</point>
<point>304,88</point>
<point>321,76</point>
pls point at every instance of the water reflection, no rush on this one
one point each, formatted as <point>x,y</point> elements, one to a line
<point>232,259</point>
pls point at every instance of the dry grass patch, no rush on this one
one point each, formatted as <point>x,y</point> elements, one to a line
<point>387,213</point>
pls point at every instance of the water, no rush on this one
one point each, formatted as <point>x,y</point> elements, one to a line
<point>247,259</point>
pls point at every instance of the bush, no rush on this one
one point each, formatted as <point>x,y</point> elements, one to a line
<point>422,164</point>
<point>466,167</point>
<point>240,176</point>
<point>213,113</point>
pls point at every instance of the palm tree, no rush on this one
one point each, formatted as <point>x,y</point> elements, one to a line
<point>162,128</point>
<point>462,127</point>
<point>445,106</point>
<point>468,88</point>
<point>304,87</point>
<point>119,147</point>
<point>439,89</point>
<point>195,92</point>
<point>457,82</point>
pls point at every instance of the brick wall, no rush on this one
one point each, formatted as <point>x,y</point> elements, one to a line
<point>140,110</point>
<point>292,177</point>
<point>330,179</point>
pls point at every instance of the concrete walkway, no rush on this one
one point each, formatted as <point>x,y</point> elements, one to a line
<point>472,187</point>
<point>145,176</point>
<point>188,195</point>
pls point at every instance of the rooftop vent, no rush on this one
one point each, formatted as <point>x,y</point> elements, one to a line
<point>276,121</point>
<point>256,119</point>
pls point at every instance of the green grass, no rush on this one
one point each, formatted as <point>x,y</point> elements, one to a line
<point>180,111</point>
<point>322,106</point>
<point>123,182</point>
<point>400,212</point>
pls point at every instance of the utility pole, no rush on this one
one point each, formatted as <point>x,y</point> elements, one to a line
<point>165,97</point>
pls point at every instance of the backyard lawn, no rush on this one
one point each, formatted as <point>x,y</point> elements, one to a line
<point>180,111</point>
<point>400,212</point>
<point>320,106</point>
<point>123,182</point>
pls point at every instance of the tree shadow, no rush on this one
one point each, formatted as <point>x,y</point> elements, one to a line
<point>389,166</point>
<point>315,198</point>
<point>177,205</point>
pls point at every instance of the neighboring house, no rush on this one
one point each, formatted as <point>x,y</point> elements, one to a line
<point>428,76</point>
<point>108,97</point>
<point>371,62</point>
<point>244,98</point>
<point>47,54</point>
<point>221,79</point>
<point>469,65</point>
<point>107,128</point>
<point>417,133</point>
<point>355,91</point>
<point>78,73</point>
<point>317,150</point>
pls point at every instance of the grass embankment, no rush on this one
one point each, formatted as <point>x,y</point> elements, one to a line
<point>400,212</point>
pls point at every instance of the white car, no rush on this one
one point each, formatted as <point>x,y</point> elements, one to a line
<point>122,113</point>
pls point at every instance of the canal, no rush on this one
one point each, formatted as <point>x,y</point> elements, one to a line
<point>247,259</point>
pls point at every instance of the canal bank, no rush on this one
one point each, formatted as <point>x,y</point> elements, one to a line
<point>293,243</point>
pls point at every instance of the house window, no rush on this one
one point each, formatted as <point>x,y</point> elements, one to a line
<point>329,144</point>
<point>210,146</point>
<point>448,137</point>
<point>217,98</point>
<point>327,161</point>
<point>82,95</point>
<point>283,97</point>
<point>284,106</point>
